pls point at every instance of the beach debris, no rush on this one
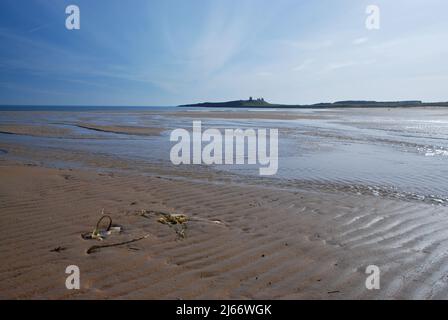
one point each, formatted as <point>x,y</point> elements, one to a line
<point>98,247</point>
<point>104,228</point>
<point>58,249</point>
<point>147,213</point>
<point>176,221</point>
<point>173,219</point>
<point>101,232</point>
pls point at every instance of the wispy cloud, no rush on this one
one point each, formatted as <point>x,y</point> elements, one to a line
<point>360,41</point>
<point>349,64</point>
<point>303,65</point>
<point>264,74</point>
<point>309,45</point>
<point>39,27</point>
<point>226,32</point>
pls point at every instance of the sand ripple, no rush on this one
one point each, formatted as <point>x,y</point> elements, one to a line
<point>269,243</point>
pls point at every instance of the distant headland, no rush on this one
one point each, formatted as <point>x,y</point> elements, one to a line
<point>261,103</point>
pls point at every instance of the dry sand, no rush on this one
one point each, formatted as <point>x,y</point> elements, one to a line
<point>242,241</point>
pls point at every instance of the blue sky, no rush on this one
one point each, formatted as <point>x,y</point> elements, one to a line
<point>150,52</point>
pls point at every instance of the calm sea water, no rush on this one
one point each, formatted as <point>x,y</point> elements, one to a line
<point>83,108</point>
<point>402,151</point>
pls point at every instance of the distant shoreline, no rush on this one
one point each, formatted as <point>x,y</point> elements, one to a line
<point>243,104</point>
<point>260,103</point>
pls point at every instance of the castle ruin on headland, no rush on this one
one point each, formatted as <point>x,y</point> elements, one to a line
<point>258,99</point>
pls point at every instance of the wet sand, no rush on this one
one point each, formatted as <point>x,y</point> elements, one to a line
<point>34,130</point>
<point>132,130</point>
<point>57,132</point>
<point>245,238</point>
<point>262,115</point>
<point>241,241</point>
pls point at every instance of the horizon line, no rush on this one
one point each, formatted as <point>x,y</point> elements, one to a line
<point>177,105</point>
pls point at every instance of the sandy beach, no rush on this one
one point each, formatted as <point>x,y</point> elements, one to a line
<point>245,238</point>
<point>268,244</point>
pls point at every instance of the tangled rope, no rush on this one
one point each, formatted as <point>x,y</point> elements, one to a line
<point>97,247</point>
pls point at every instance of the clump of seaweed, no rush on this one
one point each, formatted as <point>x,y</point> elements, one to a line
<point>176,221</point>
<point>173,219</point>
